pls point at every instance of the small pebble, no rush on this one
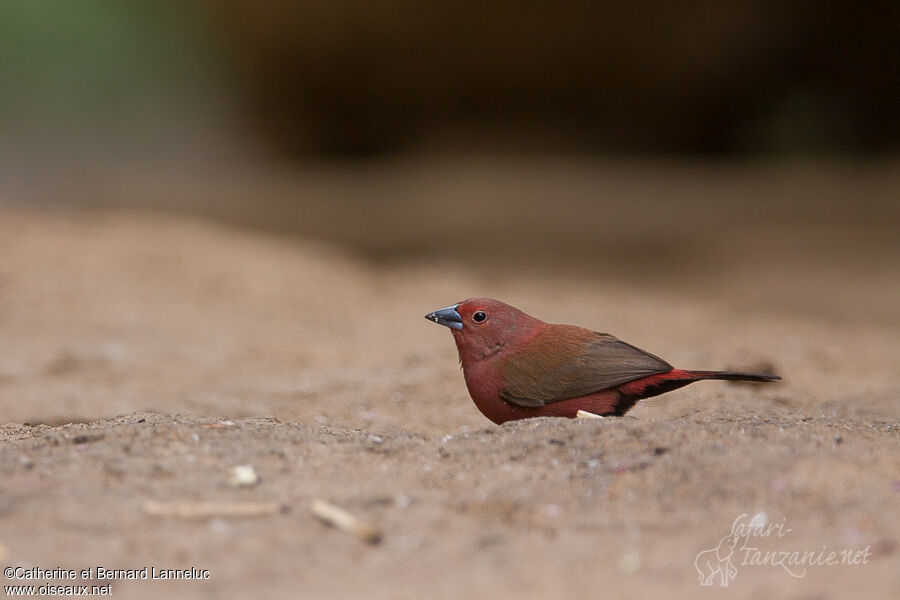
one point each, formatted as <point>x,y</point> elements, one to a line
<point>243,475</point>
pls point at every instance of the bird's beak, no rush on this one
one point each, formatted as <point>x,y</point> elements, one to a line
<point>448,317</point>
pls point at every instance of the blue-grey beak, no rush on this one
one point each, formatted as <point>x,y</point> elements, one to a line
<point>448,317</point>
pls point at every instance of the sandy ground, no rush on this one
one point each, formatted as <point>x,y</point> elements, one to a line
<point>143,356</point>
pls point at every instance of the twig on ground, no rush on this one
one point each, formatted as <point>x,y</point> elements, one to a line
<point>338,517</point>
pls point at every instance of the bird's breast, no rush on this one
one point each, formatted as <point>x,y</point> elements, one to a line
<point>483,380</point>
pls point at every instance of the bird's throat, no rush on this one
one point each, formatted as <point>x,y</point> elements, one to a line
<point>471,351</point>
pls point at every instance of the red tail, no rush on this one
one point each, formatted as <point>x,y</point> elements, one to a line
<point>661,383</point>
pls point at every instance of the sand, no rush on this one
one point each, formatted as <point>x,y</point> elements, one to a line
<point>145,356</point>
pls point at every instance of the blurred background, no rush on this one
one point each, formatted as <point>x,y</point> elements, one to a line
<point>652,141</point>
<point>364,78</point>
<point>371,78</point>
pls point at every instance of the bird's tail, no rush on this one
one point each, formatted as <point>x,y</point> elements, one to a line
<point>729,375</point>
<point>654,385</point>
<point>676,378</point>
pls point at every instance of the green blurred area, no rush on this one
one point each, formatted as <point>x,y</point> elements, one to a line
<point>321,78</point>
<point>80,72</point>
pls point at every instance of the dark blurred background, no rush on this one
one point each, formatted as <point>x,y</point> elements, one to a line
<point>681,138</point>
<point>319,78</point>
<point>695,77</point>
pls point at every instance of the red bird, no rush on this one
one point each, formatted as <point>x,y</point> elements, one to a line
<point>517,367</point>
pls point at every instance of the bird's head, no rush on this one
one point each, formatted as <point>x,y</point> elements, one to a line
<point>483,327</point>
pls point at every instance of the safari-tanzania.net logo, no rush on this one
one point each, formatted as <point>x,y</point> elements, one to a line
<point>741,547</point>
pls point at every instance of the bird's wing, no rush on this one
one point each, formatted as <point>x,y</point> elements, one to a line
<point>569,362</point>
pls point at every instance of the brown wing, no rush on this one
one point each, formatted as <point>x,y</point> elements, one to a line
<point>568,362</point>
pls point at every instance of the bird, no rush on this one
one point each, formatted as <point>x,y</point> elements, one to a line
<point>518,367</point>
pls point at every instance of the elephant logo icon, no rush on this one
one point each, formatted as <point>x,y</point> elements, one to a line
<point>716,563</point>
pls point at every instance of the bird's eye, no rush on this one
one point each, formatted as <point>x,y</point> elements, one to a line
<point>479,317</point>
